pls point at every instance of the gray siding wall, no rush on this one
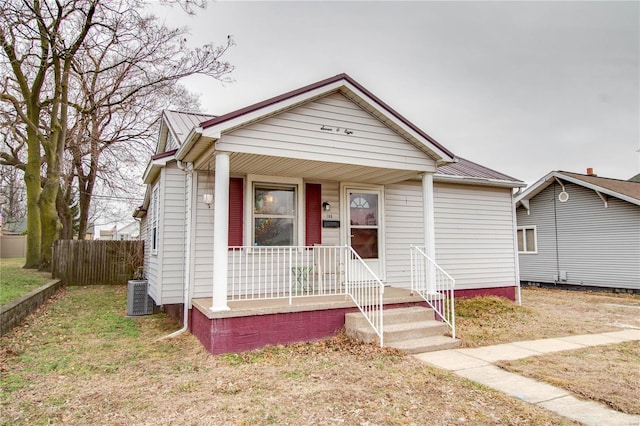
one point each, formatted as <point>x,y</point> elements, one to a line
<point>475,235</point>
<point>297,134</point>
<point>597,246</point>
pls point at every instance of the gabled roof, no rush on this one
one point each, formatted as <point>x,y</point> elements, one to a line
<point>467,171</point>
<point>179,124</point>
<point>623,189</point>
<point>214,127</point>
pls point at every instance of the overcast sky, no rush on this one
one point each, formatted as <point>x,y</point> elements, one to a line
<point>521,87</point>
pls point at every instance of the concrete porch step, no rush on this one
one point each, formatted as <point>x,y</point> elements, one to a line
<point>392,316</point>
<point>412,330</point>
<point>402,331</point>
<point>426,344</point>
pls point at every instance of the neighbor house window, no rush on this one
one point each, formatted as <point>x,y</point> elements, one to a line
<point>274,215</point>
<point>527,239</point>
<point>155,213</point>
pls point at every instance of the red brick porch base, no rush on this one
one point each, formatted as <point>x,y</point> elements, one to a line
<point>232,334</point>
<point>507,292</point>
<point>239,334</point>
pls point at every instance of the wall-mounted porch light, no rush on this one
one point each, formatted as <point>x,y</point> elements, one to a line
<point>207,198</point>
<point>326,206</point>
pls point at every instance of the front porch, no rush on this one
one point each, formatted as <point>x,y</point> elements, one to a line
<point>252,324</point>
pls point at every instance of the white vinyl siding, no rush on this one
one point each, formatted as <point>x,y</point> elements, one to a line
<point>166,267</point>
<point>475,240</point>
<point>173,234</point>
<point>298,134</point>
<point>331,194</point>
<point>404,221</point>
<point>152,272</point>
<point>596,245</point>
<point>202,239</point>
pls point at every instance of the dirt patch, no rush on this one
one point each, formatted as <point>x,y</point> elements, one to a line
<point>607,374</point>
<point>80,360</point>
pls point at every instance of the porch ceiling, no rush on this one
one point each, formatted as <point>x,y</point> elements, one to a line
<point>313,170</point>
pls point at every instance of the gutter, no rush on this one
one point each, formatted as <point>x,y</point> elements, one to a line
<point>194,136</point>
<point>188,169</point>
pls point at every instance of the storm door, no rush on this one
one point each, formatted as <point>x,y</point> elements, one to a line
<point>364,226</point>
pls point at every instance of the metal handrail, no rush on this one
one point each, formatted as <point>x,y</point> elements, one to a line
<point>366,290</point>
<point>435,286</point>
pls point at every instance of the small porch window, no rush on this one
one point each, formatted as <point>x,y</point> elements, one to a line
<point>275,215</point>
<point>527,240</point>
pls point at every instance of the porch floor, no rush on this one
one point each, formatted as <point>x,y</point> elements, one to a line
<point>243,308</point>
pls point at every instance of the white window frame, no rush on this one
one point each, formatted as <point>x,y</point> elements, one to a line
<point>524,230</point>
<point>155,218</point>
<point>275,181</point>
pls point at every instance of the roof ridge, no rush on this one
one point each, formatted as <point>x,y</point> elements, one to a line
<point>189,112</point>
<point>595,176</point>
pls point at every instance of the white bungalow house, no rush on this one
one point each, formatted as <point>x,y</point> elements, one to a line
<point>580,231</point>
<point>271,222</point>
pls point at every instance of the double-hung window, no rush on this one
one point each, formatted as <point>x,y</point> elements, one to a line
<point>275,214</point>
<point>527,239</point>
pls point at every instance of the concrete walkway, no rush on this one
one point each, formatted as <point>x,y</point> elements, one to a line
<point>476,364</point>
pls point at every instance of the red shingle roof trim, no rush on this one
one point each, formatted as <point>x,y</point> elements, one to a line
<point>164,154</point>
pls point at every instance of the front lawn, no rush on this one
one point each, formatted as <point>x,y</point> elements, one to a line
<point>608,374</point>
<point>544,313</point>
<point>80,361</point>
<point>16,281</point>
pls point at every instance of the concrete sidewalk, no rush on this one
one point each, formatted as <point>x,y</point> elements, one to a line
<point>476,364</point>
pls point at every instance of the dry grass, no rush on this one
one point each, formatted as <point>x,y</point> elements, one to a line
<point>544,313</point>
<point>79,360</point>
<point>607,374</point>
<point>15,281</point>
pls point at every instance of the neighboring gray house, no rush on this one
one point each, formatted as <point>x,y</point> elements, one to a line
<point>580,230</point>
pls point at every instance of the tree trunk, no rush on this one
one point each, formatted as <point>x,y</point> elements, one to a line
<point>49,215</point>
<point>65,215</point>
<point>33,186</point>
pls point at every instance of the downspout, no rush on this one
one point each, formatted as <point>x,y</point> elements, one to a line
<point>188,169</point>
<point>515,249</point>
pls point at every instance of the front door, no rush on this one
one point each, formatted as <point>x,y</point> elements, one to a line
<point>364,226</point>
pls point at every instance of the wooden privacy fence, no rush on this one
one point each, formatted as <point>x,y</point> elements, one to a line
<point>79,262</point>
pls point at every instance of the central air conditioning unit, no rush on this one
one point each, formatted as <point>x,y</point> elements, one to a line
<point>138,301</point>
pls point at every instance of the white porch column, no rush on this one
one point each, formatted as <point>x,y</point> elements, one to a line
<point>220,231</point>
<point>429,229</point>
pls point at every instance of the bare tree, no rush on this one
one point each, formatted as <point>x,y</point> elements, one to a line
<point>87,80</point>
<point>39,40</point>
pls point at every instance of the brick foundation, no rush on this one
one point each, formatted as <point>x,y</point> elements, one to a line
<point>507,292</point>
<point>239,334</point>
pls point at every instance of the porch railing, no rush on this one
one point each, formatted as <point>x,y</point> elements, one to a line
<point>366,290</point>
<point>256,273</point>
<point>434,285</point>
